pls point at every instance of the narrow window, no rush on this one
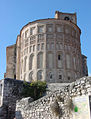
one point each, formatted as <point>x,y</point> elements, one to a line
<point>38,47</point>
<point>50,60</point>
<point>42,46</point>
<point>30,48</point>
<point>68,78</point>
<point>14,76</point>
<point>32,30</point>
<point>74,62</point>
<point>40,60</point>
<point>59,57</point>
<point>31,62</point>
<point>68,61</point>
<point>51,76</point>
<point>33,47</point>
<point>60,76</point>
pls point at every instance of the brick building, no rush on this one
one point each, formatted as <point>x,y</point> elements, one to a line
<point>48,49</point>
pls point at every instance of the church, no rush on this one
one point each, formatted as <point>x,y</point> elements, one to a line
<point>48,50</point>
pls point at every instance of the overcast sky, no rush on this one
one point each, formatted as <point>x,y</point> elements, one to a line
<point>14,14</point>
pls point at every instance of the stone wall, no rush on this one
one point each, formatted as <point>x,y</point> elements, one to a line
<point>51,87</point>
<point>9,93</point>
<point>56,105</point>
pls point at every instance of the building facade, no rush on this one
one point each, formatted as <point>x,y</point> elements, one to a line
<point>48,50</point>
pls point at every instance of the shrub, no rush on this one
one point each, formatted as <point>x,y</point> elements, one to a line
<point>34,89</point>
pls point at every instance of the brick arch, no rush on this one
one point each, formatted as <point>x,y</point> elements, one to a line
<point>31,61</point>
<point>40,60</point>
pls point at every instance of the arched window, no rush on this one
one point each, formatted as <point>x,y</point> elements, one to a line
<point>60,76</point>
<point>40,60</point>
<point>50,60</point>
<point>31,76</point>
<point>31,62</point>
<point>40,75</point>
<point>59,60</point>
<point>51,76</point>
<point>68,61</point>
<point>25,63</point>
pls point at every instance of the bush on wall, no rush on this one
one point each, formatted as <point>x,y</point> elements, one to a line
<point>34,89</point>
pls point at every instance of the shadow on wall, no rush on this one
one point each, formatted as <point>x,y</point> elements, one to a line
<point>18,115</point>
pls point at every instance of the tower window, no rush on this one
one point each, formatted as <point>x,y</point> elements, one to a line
<point>66,18</point>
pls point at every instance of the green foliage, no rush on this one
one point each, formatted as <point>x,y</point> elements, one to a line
<point>34,89</point>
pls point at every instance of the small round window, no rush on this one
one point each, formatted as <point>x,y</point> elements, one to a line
<point>66,18</point>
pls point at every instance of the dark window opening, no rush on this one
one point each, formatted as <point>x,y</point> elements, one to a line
<point>60,76</point>
<point>51,76</point>
<point>68,78</point>
<point>14,76</point>
<point>66,18</point>
<point>59,57</point>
